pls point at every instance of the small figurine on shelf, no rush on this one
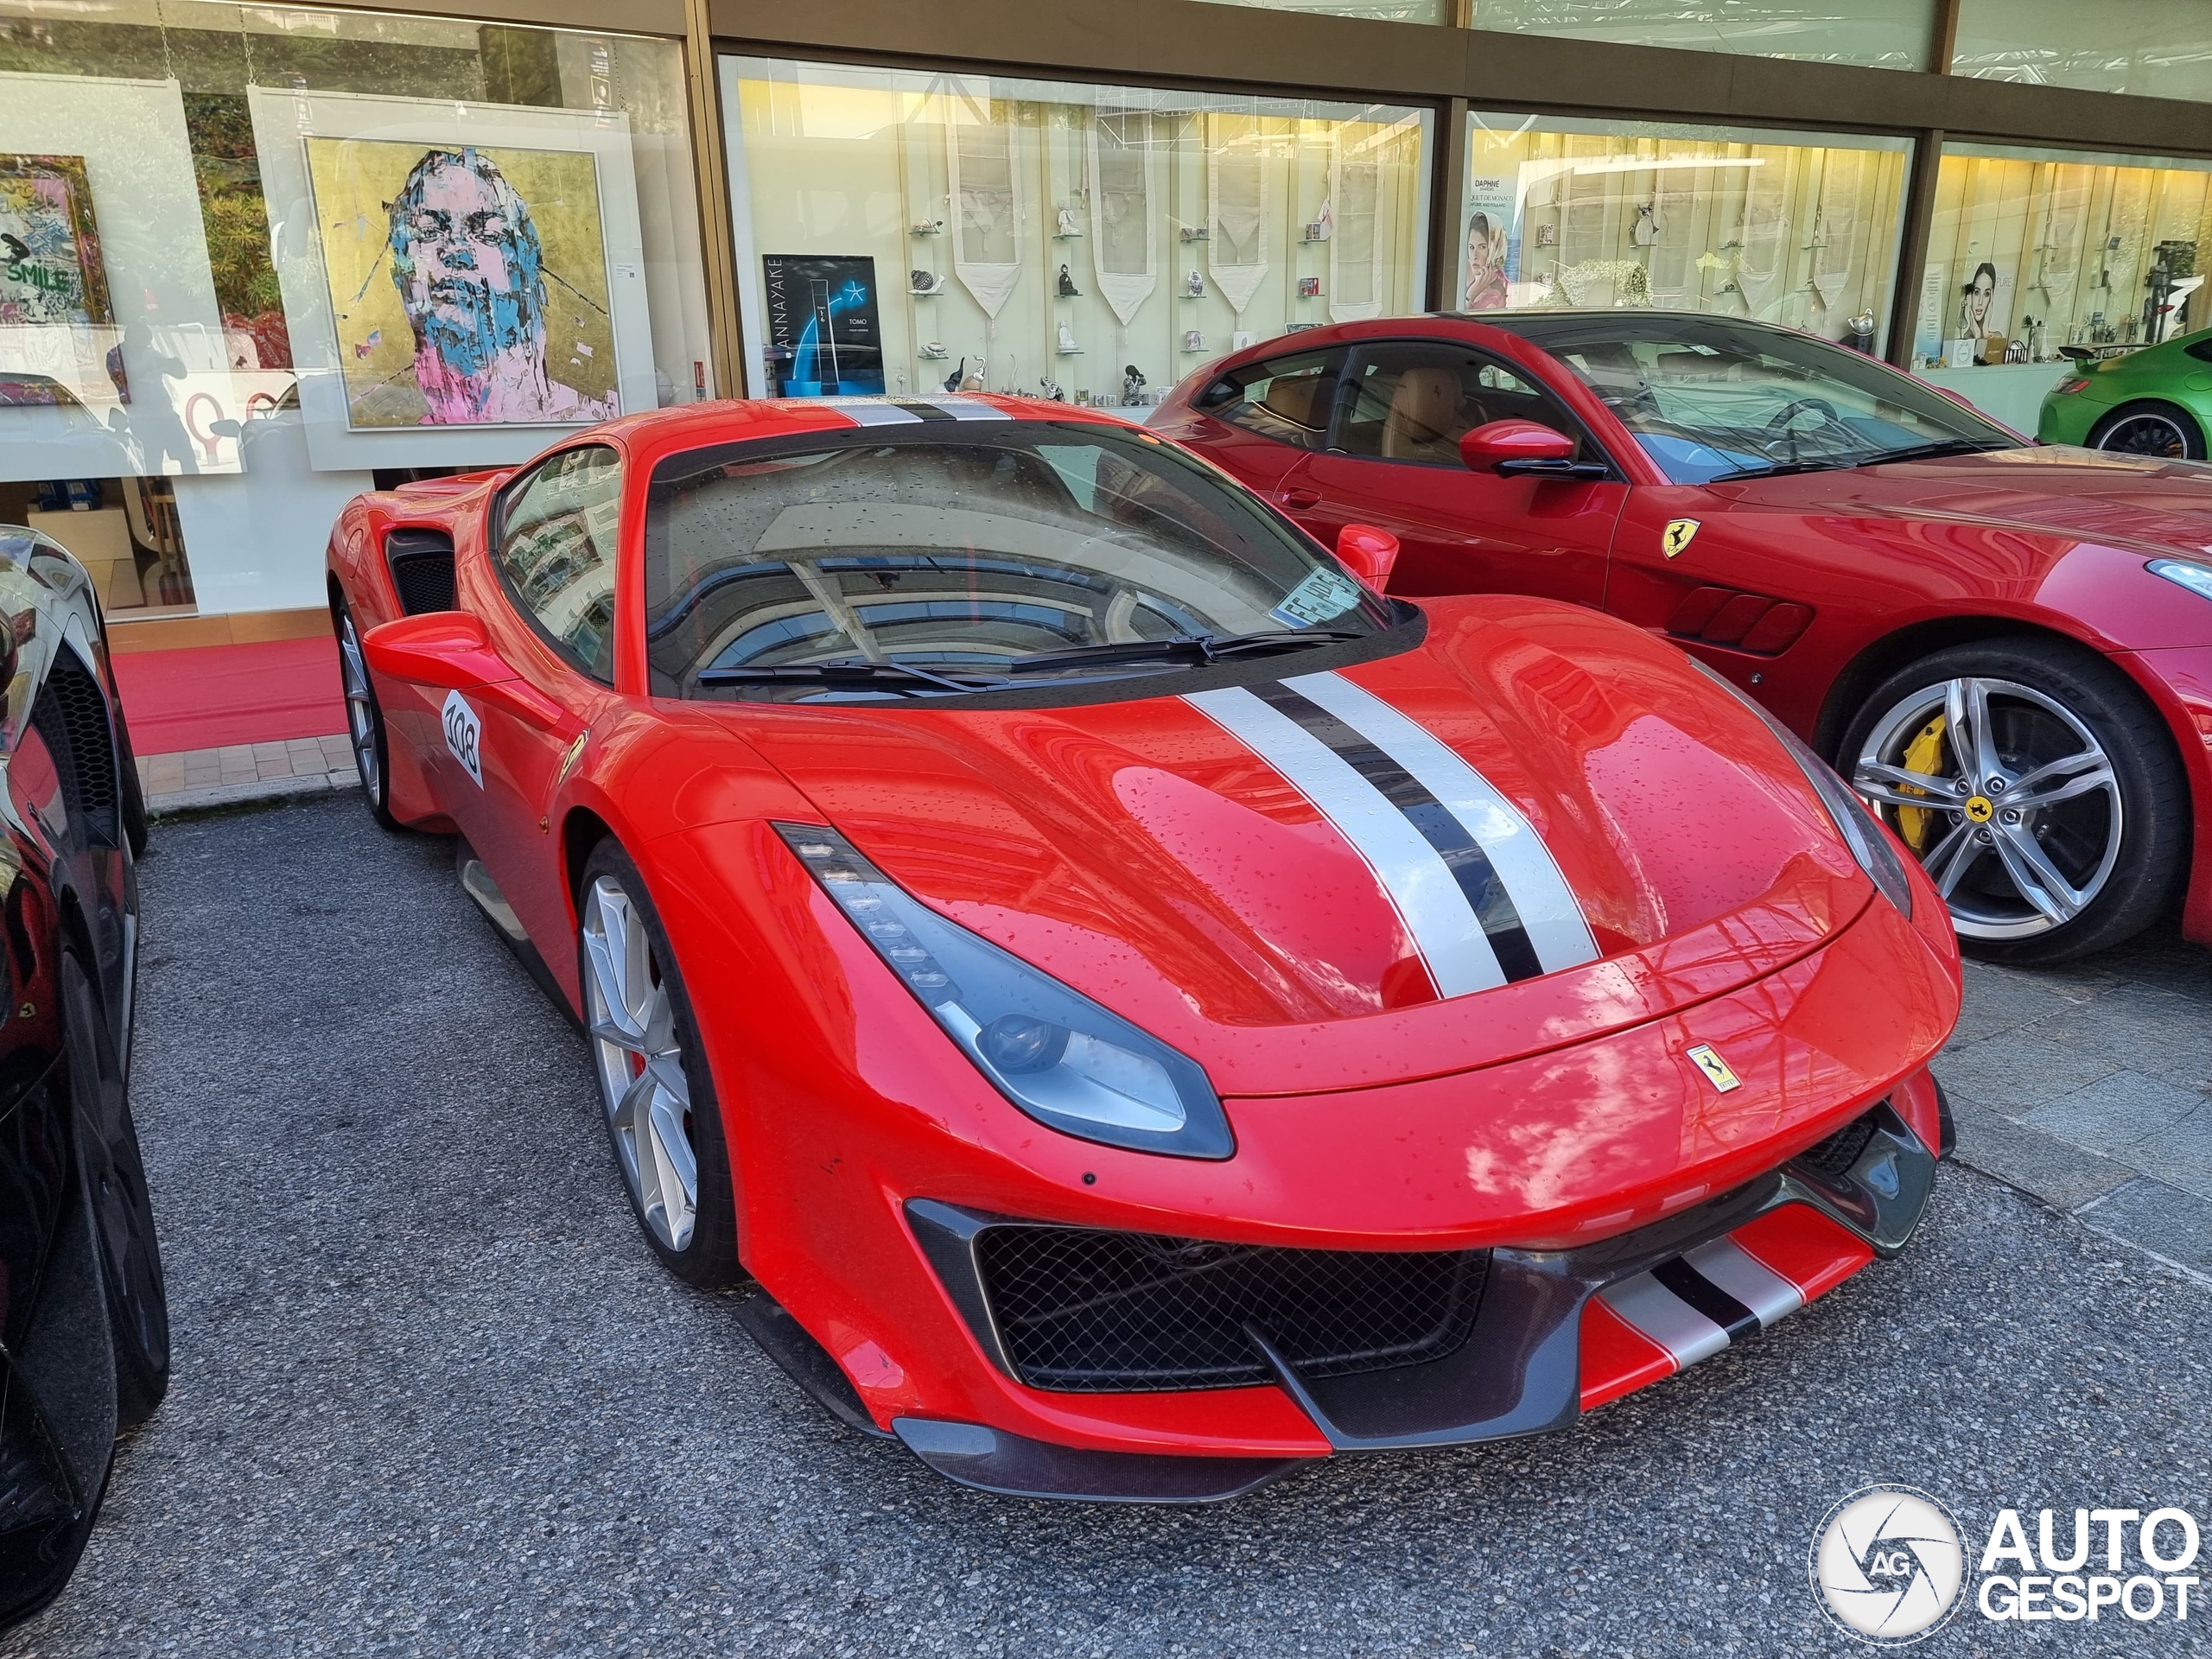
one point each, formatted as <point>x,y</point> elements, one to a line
<point>953,381</point>
<point>974,382</point>
<point>1051,391</point>
<point>1065,224</point>
<point>1196,233</point>
<point>1068,289</point>
<point>1193,341</point>
<point>929,227</point>
<point>1067,346</point>
<point>1314,231</point>
<point>1132,386</point>
<point>1862,335</point>
<point>922,282</point>
<point>1195,285</point>
<point>1082,396</point>
<point>935,350</point>
<point>1309,288</point>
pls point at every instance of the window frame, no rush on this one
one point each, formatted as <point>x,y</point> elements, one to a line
<point>495,540</point>
<point>1348,392</point>
<point>1342,348</point>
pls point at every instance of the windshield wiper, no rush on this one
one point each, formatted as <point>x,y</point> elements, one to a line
<point>904,677</point>
<point>1929,451</point>
<point>1782,468</point>
<point>1180,648</point>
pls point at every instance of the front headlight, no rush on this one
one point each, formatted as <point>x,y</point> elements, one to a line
<point>1869,843</point>
<point>2197,578</point>
<point>1068,1063</point>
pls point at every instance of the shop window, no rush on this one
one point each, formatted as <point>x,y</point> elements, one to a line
<point>1796,228</point>
<point>254,257</point>
<point>1393,11</point>
<point>1415,402</point>
<point>914,232</point>
<point>2034,255</point>
<point>556,552</point>
<point>1879,34</point>
<point>2151,47</point>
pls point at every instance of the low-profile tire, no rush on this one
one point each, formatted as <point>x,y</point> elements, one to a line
<point>115,1185</point>
<point>2066,831</point>
<point>2151,427</point>
<point>364,729</point>
<point>655,1090</point>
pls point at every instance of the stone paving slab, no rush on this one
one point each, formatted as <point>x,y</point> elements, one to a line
<point>239,774</point>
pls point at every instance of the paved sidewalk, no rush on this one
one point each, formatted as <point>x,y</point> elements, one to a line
<point>242,773</point>
<point>2085,1087</point>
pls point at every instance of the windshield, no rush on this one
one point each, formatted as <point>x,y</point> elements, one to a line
<point>963,557</point>
<point>1708,398</point>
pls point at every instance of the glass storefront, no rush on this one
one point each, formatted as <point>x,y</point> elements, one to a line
<point>1789,227</point>
<point>254,259</point>
<point>2033,251</point>
<point>899,231</point>
<point>1881,34</point>
<point>2153,48</point>
<point>1395,12</point>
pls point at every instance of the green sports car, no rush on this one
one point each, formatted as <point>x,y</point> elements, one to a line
<point>2154,402</point>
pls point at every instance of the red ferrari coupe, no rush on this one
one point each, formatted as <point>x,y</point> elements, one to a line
<point>1148,1009</point>
<point>2007,649</point>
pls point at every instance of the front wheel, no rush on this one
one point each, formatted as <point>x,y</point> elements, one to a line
<point>2038,789</point>
<point>653,1081</point>
<point>365,728</point>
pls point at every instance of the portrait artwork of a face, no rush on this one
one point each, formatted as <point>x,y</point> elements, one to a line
<point>472,290</point>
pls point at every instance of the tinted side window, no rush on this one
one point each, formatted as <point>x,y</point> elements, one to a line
<point>556,552</point>
<point>1416,401</point>
<point>1286,398</point>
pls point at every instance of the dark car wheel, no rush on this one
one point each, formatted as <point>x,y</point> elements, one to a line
<point>2165,431</point>
<point>121,1209</point>
<point>364,717</point>
<point>653,1081</point>
<point>2038,789</point>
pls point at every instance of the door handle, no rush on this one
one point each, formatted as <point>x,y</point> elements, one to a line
<point>1299,500</point>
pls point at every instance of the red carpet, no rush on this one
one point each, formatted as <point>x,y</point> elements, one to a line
<point>213,694</point>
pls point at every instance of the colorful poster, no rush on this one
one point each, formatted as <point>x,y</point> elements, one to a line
<point>50,269</point>
<point>825,337</point>
<point>1491,246</point>
<point>1984,300</point>
<point>468,284</point>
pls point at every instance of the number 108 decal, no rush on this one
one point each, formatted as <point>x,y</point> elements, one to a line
<point>463,732</point>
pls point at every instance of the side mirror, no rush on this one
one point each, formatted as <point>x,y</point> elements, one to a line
<point>447,650</point>
<point>1368,553</point>
<point>1515,447</point>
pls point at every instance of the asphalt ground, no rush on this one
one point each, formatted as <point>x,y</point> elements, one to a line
<point>433,1394</point>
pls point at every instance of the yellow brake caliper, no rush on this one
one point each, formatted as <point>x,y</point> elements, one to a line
<point>1924,754</point>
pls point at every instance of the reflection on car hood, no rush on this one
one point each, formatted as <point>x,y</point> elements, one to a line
<point>1281,875</point>
<point>2083,494</point>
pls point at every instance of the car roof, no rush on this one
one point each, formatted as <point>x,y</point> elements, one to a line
<point>730,420</point>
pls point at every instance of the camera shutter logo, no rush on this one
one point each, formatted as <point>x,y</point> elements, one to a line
<point>1887,1565</point>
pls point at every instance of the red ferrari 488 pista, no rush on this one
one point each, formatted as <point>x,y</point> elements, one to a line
<point>1148,1009</point>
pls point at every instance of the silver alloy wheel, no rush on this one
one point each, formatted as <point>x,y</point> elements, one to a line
<point>360,712</point>
<point>640,1064</point>
<point>2024,811</point>
<point>2147,433</point>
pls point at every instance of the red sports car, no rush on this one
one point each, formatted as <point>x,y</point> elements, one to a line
<point>1148,1009</point>
<point>2007,649</point>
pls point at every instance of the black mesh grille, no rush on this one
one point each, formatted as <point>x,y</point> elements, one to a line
<point>1082,1309</point>
<point>32,1486</point>
<point>421,569</point>
<point>72,716</point>
<point>1834,1156</point>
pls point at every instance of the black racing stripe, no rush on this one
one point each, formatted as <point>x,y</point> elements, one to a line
<point>1461,852</point>
<point>927,411</point>
<point>1708,1298</point>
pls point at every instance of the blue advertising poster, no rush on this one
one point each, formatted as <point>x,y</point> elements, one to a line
<point>825,337</point>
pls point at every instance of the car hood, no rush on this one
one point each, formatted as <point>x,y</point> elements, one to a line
<point>2077,494</point>
<point>1186,859</point>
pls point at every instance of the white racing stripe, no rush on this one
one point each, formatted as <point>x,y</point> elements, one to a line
<point>1724,1279</point>
<point>1549,909</point>
<point>962,409</point>
<point>1750,1281</point>
<point>1428,896</point>
<point>871,411</point>
<point>1666,1318</point>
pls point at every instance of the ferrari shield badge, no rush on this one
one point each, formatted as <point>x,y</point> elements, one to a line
<point>1717,1070</point>
<point>1676,535</point>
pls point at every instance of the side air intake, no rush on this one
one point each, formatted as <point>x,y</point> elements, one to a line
<point>422,569</point>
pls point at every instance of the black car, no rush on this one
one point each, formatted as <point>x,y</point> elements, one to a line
<point>84,1321</point>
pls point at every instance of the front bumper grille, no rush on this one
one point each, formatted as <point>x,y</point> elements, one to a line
<point>1082,1309</point>
<point>1833,1157</point>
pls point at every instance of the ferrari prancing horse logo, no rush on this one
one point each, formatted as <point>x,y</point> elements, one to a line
<point>1981,808</point>
<point>1676,535</point>
<point>1716,1070</point>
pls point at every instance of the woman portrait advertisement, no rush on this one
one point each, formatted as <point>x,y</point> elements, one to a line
<point>1980,292</point>
<point>1485,286</point>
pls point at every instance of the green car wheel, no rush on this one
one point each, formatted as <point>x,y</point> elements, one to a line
<point>2155,402</point>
